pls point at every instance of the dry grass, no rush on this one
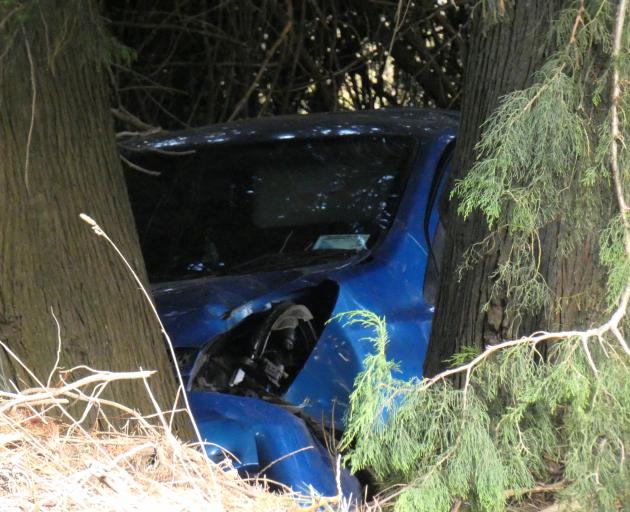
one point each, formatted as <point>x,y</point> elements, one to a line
<point>49,461</point>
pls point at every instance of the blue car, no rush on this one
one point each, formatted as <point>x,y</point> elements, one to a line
<point>255,234</point>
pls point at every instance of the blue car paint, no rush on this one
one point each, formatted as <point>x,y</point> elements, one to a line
<point>388,281</point>
<point>267,434</point>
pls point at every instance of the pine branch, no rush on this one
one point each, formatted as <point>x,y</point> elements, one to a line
<point>611,326</point>
<point>614,122</point>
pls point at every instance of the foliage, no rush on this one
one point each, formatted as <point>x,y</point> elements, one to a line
<point>517,422</point>
<point>543,157</point>
<point>612,256</point>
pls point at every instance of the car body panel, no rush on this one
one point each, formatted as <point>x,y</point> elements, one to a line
<point>270,438</point>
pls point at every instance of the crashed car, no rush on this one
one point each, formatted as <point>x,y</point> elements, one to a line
<point>255,235</point>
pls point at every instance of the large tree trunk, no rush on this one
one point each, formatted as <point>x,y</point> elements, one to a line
<point>58,159</point>
<point>502,58</point>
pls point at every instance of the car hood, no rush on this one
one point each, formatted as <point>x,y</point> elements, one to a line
<point>219,295</point>
<point>193,311</point>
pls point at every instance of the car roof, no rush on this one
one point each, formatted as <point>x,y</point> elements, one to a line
<point>415,122</point>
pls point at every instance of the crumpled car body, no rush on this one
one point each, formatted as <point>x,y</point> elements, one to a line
<point>335,213</point>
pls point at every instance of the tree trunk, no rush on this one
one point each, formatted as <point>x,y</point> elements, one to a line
<point>502,58</point>
<point>59,159</point>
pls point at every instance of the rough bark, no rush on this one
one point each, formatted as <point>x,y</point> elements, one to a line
<point>59,159</point>
<point>502,58</point>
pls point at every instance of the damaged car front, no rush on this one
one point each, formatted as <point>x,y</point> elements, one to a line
<point>255,234</point>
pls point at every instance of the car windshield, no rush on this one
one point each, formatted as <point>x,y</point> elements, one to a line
<point>228,209</point>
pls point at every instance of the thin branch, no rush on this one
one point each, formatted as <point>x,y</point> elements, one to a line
<point>285,456</point>
<point>46,393</point>
<point>554,487</point>
<point>263,67</point>
<point>139,168</point>
<point>125,116</point>
<point>58,356</point>
<point>579,20</point>
<point>29,139</point>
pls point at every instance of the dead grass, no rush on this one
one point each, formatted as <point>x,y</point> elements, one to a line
<point>50,461</point>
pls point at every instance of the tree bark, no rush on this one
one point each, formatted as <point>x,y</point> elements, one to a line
<point>59,159</point>
<point>502,58</point>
